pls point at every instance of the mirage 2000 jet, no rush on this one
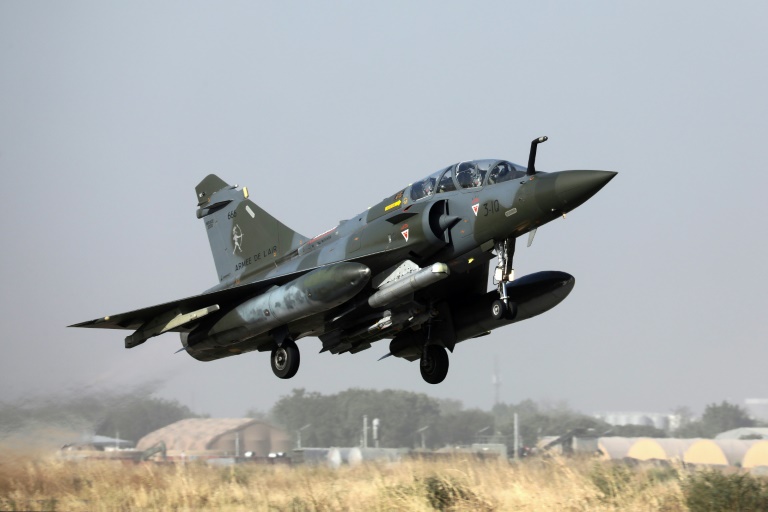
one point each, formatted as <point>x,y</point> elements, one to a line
<point>413,269</point>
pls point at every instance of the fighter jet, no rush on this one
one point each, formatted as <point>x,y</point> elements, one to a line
<point>414,269</point>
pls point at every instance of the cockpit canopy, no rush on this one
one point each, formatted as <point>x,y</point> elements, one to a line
<point>471,174</point>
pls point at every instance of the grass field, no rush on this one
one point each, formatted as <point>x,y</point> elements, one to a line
<point>461,484</point>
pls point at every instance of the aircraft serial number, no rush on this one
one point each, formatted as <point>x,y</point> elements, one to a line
<point>232,214</point>
<point>490,207</point>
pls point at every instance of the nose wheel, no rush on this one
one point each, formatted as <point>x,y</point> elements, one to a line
<point>434,364</point>
<point>503,307</point>
<point>501,310</point>
<point>285,359</point>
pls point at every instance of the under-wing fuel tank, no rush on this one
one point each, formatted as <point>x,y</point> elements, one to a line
<point>471,317</point>
<point>315,292</point>
<point>533,295</point>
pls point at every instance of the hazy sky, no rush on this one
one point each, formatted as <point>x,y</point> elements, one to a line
<point>111,113</point>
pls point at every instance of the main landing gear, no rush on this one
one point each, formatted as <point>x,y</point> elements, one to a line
<point>503,307</point>
<point>285,359</point>
<point>434,364</point>
<point>434,357</point>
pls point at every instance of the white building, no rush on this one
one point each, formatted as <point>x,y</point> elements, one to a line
<point>662,421</point>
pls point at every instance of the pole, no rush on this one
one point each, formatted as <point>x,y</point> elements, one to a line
<point>517,439</point>
<point>298,435</point>
<point>423,432</point>
<point>375,424</point>
<point>365,431</point>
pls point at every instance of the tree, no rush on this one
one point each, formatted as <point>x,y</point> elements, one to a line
<point>635,431</point>
<point>684,415</point>
<point>717,418</point>
<point>449,405</point>
<point>337,420</point>
<point>133,417</point>
<point>538,421</point>
<point>132,414</point>
<point>463,427</point>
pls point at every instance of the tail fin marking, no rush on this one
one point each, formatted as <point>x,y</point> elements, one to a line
<point>243,237</point>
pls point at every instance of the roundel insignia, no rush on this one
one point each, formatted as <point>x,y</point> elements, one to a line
<point>405,234</point>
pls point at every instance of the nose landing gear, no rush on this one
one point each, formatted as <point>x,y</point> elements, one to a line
<point>503,311</point>
<point>503,307</point>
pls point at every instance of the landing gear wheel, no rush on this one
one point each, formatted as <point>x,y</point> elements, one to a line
<point>285,360</point>
<point>502,311</point>
<point>511,311</point>
<point>434,364</point>
<point>498,309</point>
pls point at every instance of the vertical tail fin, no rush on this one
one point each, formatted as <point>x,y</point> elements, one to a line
<point>243,237</point>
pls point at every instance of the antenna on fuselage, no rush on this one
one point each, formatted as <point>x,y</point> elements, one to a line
<point>532,154</point>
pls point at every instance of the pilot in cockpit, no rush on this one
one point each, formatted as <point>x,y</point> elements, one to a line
<point>468,176</point>
<point>423,188</point>
<point>428,186</point>
<point>499,173</point>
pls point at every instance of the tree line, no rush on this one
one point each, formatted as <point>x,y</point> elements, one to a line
<point>129,414</point>
<point>406,419</point>
<point>336,420</point>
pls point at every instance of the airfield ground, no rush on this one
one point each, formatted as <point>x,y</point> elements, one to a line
<point>28,483</point>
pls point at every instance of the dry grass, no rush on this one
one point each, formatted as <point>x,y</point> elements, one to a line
<point>462,484</point>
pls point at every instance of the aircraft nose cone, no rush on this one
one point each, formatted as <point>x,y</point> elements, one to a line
<point>573,188</point>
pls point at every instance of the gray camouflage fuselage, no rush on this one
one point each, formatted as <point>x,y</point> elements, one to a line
<point>387,272</point>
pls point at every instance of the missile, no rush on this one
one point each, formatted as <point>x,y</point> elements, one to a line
<point>408,284</point>
<point>315,292</point>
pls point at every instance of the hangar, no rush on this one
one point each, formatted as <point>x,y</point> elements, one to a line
<point>756,456</point>
<point>615,448</point>
<point>744,433</point>
<point>659,448</point>
<point>718,452</point>
<point>218,437</point>
<point>710,452</point>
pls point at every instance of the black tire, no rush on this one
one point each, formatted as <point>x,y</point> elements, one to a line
<point>498,309</point>
<point>435,367</point>
<point>511,311</point>
<point>285,360</point>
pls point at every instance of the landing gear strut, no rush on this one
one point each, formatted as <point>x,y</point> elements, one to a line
<point>434,364</point>
<point>285,359</point>
<point>503,307</point>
